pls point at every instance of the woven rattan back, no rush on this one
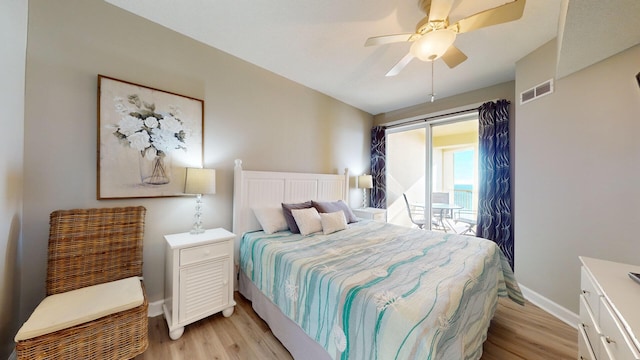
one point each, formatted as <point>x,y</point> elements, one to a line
<point>94,246</point>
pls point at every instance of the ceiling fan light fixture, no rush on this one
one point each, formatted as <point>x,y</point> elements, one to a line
<point>433,44</point>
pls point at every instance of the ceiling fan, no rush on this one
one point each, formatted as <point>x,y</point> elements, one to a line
<point>434,36</point>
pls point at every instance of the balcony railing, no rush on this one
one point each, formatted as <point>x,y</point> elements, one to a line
<point>463,198</point>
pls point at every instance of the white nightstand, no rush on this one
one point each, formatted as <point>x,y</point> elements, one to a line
<point>198,277</point>
<point>371,213</point>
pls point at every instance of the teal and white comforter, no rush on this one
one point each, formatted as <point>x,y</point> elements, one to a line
<point>380,291</point>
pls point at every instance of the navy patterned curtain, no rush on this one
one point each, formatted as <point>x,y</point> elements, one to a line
<point>378,167</point>
<point>494,203</point>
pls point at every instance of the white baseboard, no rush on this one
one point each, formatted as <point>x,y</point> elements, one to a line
<point>13,355</point>
<point>155,308</point>
<point>551,307</point>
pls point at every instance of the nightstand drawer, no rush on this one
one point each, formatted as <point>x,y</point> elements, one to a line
<point>371,214</point>
<point>204,252</point>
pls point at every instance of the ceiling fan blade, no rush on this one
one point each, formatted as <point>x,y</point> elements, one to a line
<point>395,70</point>
<point>387,39</point>
<point>440,10</point>
<point>453,57</point>
<point>498,15</point>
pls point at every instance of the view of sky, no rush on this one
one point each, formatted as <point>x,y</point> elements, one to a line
<point>463,167</point>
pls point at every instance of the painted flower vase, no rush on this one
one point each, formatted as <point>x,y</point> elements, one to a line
<point>155,170</point>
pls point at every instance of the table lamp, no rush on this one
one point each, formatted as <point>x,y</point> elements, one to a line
<point>199,181</point>
<point>365,182</point>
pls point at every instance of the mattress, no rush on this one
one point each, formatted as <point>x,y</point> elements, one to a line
<point>381,291</point>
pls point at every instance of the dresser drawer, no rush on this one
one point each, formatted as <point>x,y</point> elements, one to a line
<point>588,325</point>
<point>204,252</point>
<point>590,292</point>
<point>585,352</point>
<point>614,340</point>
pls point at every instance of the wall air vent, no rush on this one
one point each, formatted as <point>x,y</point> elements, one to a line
<point>537,91</point>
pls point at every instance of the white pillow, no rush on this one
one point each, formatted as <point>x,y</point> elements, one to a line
<point>271,219</point>
<point>332,222</point>
<point>308,220</point>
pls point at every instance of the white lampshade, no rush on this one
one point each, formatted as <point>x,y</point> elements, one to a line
<point>200,181</point>
<point>433,44</point>
<point>365,182</point>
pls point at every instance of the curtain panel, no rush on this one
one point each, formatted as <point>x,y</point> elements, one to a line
<point>378,167</point>
<point>494,203</point>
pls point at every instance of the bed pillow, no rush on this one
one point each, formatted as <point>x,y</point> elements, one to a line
<point>271,219</point>
<point>291,222</point>
<point>333,206</point>
<point>308,220</point>
<point>332,222</point>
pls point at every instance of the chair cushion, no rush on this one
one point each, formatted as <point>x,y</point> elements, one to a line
<point>64,310</point>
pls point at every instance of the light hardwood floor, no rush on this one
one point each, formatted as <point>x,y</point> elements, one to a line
<point>516,332</point>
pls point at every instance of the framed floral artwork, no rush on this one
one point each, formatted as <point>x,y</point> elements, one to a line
<point>146,140</point>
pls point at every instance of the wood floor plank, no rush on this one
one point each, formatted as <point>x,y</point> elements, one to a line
<point>516,333</point>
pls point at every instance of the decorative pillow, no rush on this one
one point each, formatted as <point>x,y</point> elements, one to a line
<point>291,222</point>
<point>308,220</point>
<point>333,206</point>
<point>332,222</point>
<point>271,219</point>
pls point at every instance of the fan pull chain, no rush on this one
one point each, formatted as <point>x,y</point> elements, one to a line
<point>433,94</point>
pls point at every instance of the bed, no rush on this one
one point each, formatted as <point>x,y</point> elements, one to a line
<point>369,290</point>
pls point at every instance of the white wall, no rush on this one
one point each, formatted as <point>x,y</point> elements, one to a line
<point>13,44</point>
<point>267,121</point>
<point>577,171</point>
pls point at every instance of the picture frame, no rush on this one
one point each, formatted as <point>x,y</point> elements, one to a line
<point>146,139</point>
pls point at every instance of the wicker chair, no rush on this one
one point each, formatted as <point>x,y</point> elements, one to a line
<point>89,247</point>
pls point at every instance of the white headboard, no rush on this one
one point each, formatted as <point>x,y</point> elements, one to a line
<point>267,188</point>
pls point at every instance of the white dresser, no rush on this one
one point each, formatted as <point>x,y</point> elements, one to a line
<point>609,311</point>
<point>371,214</point>
<point>198,277</point>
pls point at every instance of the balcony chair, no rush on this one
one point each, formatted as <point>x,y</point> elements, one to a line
<point>442,198</point>
<point>416,214</point>
<point>467,218</point>
<point>95,305</point>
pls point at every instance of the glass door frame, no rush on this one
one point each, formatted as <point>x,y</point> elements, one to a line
<point>427,165</point>
<point>428,170</point>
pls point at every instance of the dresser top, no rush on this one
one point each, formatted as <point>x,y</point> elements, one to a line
<point>177,241</point>
<point>622,292</point>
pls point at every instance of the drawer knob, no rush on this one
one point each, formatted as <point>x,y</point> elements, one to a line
<point>609,340</point>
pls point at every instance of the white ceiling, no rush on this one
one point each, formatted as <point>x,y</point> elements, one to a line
<point>320,44</point>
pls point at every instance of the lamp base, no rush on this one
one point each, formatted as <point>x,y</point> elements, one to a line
<point>364,198</point>
<point>196,231</point>
<point>197,224</point>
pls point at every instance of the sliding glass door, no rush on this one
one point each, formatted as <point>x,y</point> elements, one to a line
<point>407,174</point>
<point>432,174</point>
